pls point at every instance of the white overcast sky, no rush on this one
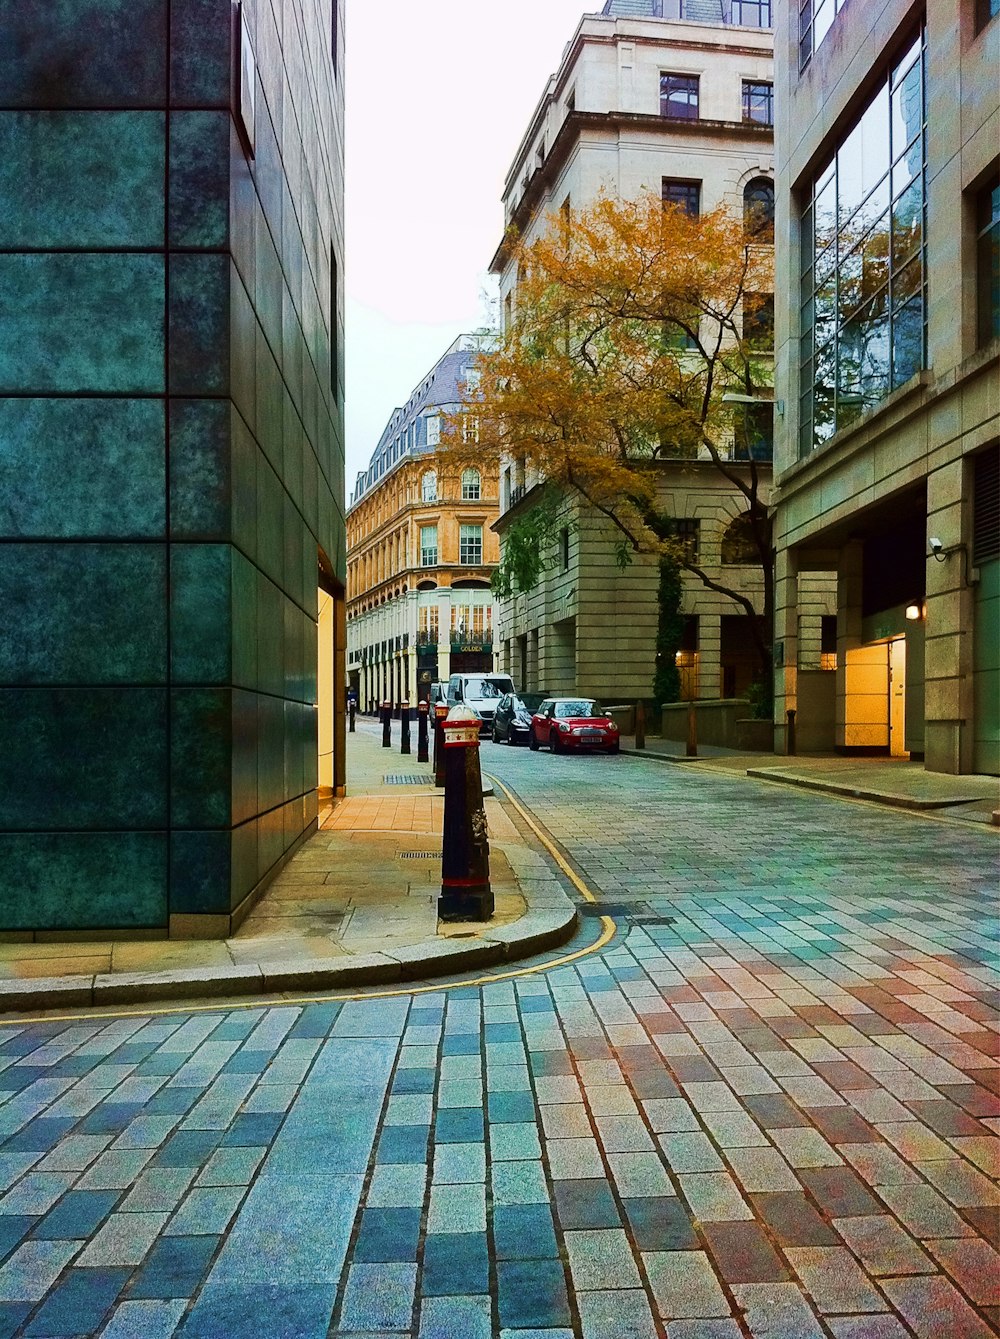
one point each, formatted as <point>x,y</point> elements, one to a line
<point>438,96</point>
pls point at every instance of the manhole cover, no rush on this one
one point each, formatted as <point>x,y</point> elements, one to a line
<point>420,855</point>
<point>405,779</point>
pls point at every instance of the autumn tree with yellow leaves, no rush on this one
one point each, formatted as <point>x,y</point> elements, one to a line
<point>635,326</point>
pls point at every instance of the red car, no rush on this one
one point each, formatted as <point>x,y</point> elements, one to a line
<point>566,723</point>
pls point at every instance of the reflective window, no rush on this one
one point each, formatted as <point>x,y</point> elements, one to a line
<point>863,286</point>
<point>758,103</point>
<point>687,531</point>
<point>679,96</point>
<point>752,13</point>
<point>429,487</point>
<point>758,209</point>
<point>815,21</point>
<point>738,546</point>
<point>988,263</point>
<point>471,485</point>
<point>685,195</point>
<point>758,320</point>
<point>753,431</point>
<point>428,545</point>
<point>470,545</point>
<point>582,708</point>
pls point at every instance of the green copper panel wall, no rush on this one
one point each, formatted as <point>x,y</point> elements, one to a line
<point>171,456</point>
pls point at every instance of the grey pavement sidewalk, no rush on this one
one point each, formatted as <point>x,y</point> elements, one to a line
<point>893,781</point>
<point>355,906</point>
<point>768,1109</point>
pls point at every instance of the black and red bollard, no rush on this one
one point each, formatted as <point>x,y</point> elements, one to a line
<point>387,725</point>
<point>423,709</point>
<point>404,727</point>
<point>466,894</point>
<point>440,714</point>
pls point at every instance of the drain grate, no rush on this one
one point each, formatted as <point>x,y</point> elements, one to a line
<point>420,855</point>
<point>405,779</point>
<point>636,913</point>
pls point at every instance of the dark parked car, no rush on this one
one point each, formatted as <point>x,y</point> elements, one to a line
<point>512,722</point>
<point>575,723</point>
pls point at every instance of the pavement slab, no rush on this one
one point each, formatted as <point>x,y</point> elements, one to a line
<point>768,1107</point>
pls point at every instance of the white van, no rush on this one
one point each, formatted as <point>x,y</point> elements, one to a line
<point>481,692</point>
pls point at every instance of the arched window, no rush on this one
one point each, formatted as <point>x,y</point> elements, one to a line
<point>758,209</point>
<point>429,487</point>
<point>471,485</point>
<point>738,547</point>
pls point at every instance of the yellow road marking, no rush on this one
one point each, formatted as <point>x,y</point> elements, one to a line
<point>608,931</point>
<point>577,883</point>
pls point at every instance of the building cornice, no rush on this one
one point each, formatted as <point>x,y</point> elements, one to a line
<point>686,468</point>
<point>915,399</point>
<point>544,177</point>
<point>670,35</point>
<point>414,575</point>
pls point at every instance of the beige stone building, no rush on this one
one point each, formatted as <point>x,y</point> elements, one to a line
<point>420,546</point>
<point>888,220</point>
<point>643,100</point>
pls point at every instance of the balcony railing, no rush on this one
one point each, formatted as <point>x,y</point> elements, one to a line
<point>427,638</point>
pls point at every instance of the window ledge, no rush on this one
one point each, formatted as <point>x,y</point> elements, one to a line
<point>851,436</point>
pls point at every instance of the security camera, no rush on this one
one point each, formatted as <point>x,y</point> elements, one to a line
<point>936,545</point>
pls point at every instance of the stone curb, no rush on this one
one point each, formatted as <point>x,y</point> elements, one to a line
<point>653,756</point>
<point>534,932</point>
<point>914,802</point>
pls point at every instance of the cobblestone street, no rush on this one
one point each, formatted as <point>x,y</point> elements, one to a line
<point>770,1107</point>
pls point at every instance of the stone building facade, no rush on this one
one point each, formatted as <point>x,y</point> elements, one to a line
<point>888,262</point>
<point>643,100</point>
<point>420,547</point>
<point>171,455</point>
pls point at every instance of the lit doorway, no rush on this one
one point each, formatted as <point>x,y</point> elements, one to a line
<point>325,629</point>
<point>875,697</point>
<point>897,698</point>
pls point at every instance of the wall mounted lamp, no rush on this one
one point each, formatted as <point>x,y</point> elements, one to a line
<point>914,613</point>
<point>736,397</point>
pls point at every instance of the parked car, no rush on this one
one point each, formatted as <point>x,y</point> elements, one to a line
<point>573,723</point>
<point>512,721</point>
<point>439,693</point>
<point>480,692</point>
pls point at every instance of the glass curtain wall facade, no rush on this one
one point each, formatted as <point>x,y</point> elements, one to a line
<point>864,281</point>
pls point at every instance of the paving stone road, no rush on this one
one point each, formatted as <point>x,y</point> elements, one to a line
<point>770,1107</point>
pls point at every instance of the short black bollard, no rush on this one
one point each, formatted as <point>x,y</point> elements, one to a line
<point>387,725</point>
<point>640,725</point>
<point>404,727</point>
<point>351,713</point>
<point>691,749</point>
<point>790,742</point>
<point>440,713</point>
<point>466,894</point>
<point>423,709</point>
